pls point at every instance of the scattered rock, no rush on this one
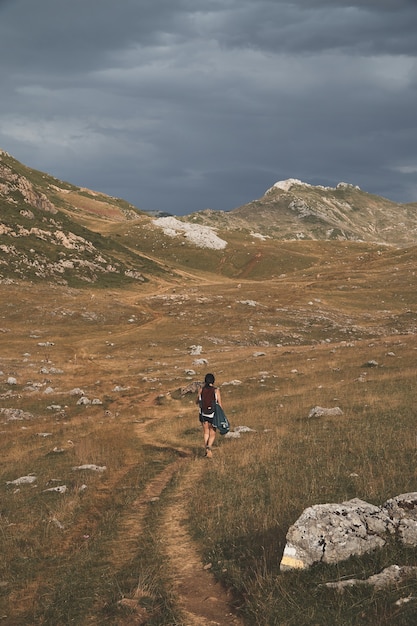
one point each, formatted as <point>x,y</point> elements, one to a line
<point>92,467</point>
<point>50,370</point>
<point>406,600</point>
<point>57,523</point>
<point>243,429</point>
<point>163,398</point>
<point>319,411</point>
<point>16,415</point>
<point>200,362</point>
<point>237,430</point>
<point>83,401</point>
<point>60,489</point>
<point>248,302</point>
<point>390,576</point>
<point>192,388</point>
<point>33,386</point>
<point>23,480</point>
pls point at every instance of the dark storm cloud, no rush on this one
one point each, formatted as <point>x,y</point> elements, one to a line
<point>186,104</point>
<point>302,27</point>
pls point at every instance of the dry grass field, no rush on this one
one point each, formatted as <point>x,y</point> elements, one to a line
<point>121,519</point>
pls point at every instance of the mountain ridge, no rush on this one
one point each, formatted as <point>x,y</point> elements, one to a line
<point>293,210</point>
<point>51,229</point>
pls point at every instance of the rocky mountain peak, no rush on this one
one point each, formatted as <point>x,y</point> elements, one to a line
<point>290,183</point>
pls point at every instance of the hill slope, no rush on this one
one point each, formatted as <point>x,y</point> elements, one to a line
<point>55,231</point>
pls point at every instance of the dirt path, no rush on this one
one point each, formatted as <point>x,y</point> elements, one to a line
<point>201,600</point>
<point>250,265</point>
<point>204,602</point>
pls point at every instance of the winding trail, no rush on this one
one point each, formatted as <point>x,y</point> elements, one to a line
<point>204,602</point>
<point>201,600</point>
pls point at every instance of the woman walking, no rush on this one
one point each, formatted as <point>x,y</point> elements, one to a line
<point>207,398</point>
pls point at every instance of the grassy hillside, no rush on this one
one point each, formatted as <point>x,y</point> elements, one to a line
<point>50,230</point>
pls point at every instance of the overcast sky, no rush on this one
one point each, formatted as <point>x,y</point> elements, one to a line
<point>182,105</point>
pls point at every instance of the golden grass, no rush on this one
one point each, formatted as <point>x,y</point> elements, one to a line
<point>302,342</point>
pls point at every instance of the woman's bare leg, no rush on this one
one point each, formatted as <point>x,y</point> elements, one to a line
<point>212,435</point>
<point>209,436</point>
<point>206,433</point>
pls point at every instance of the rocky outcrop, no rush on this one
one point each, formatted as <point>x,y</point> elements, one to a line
<point>12,183</point>
<point>330,533</point>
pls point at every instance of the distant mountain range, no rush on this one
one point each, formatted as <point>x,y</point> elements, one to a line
<point>292,209</point>
<point>53,230</point>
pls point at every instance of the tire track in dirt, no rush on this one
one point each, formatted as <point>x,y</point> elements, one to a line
<point>131,525</point>
<point>122,549</point>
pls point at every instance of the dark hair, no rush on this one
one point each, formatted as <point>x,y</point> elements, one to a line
<point>209,379</point>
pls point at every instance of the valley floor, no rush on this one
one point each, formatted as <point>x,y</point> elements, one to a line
<point>97,398</point>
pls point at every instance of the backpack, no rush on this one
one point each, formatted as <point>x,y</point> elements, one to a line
<point>208,401</point>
